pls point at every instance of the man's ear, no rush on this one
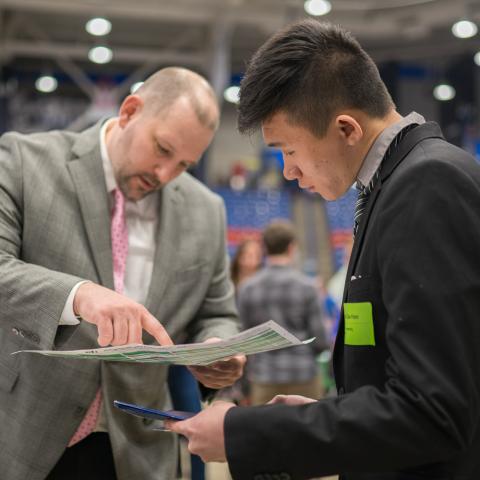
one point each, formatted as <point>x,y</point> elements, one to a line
<point>130,106</point>
<point>292,249</point>
<point>349,128</point>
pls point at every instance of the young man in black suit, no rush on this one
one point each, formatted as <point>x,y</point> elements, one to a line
<point>407,362</point>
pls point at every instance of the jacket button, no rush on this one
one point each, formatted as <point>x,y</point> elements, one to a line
<point>17,331</point>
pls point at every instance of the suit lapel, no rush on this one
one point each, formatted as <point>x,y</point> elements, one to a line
<point>167,239</point>
<point>427,130</point>
<point>415,136</point>
<point>89,180</point>
<point>359,237</point>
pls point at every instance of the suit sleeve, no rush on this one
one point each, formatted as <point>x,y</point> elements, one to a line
<point>427,411</point>
<point>32,297</point>
<point>217,315</point>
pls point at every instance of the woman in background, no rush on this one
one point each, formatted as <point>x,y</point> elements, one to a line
<point>246,261</point>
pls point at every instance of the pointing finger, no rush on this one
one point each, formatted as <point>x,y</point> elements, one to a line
<point>155,328</point>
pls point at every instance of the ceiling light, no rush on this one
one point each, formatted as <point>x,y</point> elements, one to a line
<point>100,54</point>
<point>444,92</point>
<point>46,84</point>
<point>464,29</point>
<point>98,26</point>
<point>317,7</point>
<point>231,94</point>
<point>135,87</point>
<point>476,58</point>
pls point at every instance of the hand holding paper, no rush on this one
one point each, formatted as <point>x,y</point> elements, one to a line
<point>219,374</point>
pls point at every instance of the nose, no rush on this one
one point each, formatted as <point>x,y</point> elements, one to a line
<point>163,173</point>
<point>291,172</point>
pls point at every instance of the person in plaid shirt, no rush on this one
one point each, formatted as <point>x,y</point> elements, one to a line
<point>285,295</point>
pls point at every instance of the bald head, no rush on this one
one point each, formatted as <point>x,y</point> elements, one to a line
<point>167,86</point>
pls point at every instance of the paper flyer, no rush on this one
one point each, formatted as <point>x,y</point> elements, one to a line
<point>262,338</point>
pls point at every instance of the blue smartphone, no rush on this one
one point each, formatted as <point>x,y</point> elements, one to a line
<point>152,412</point>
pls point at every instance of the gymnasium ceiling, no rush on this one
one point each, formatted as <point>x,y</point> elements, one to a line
<point>148,34</point>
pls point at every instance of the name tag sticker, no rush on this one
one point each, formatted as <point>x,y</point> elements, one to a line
<point>358,324</point>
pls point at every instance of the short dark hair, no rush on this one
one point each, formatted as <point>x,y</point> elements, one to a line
<point>310,70</point>
<point>277,237</point>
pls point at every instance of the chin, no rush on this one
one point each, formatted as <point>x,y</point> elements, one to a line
<point>327,195</point>
<point>332,195</point>
<point>134,194</point>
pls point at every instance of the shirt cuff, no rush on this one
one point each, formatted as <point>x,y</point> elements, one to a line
<point>68,315</point>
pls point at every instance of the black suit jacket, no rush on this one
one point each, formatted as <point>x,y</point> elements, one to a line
<point>408,407</point>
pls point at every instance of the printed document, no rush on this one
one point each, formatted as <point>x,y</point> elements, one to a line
<point>262,338</point>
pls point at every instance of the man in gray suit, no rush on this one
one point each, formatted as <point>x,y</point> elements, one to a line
<point>57,288</point>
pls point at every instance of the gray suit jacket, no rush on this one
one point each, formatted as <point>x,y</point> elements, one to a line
<point>54,232</point>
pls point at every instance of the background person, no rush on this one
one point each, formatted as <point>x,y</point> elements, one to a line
<point>82,215</point>
<point>246,261</point>
<point>406,357</point>
<point>281,293</point>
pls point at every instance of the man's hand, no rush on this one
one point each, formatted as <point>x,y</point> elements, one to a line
<point>204,432</point>
<point>219,374</point>
<point>290,400</point>
<point>119,320</point>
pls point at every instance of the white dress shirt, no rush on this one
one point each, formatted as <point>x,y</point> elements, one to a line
<point>141,217</point>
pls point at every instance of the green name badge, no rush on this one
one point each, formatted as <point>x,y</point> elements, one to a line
<point>358,324</point>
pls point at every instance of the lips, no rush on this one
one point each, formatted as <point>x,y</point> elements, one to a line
<point>145,183</point>
<point>311,188</point>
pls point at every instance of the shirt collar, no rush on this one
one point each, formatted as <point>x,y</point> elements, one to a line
<point>377,150</point>
<point>106,163</point>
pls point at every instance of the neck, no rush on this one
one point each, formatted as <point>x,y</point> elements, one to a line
<point>375,126</point>
<point>372,128</point>
<point>283,259</point>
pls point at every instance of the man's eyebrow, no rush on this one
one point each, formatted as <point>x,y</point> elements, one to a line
<point>275,144</point>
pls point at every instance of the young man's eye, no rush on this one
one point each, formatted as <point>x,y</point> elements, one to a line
<point>184,166</point>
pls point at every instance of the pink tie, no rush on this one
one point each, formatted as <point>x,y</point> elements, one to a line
<point>119,234</point>
<point>119,240</point>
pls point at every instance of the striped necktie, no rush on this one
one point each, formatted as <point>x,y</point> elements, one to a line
<point>365,191</point>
